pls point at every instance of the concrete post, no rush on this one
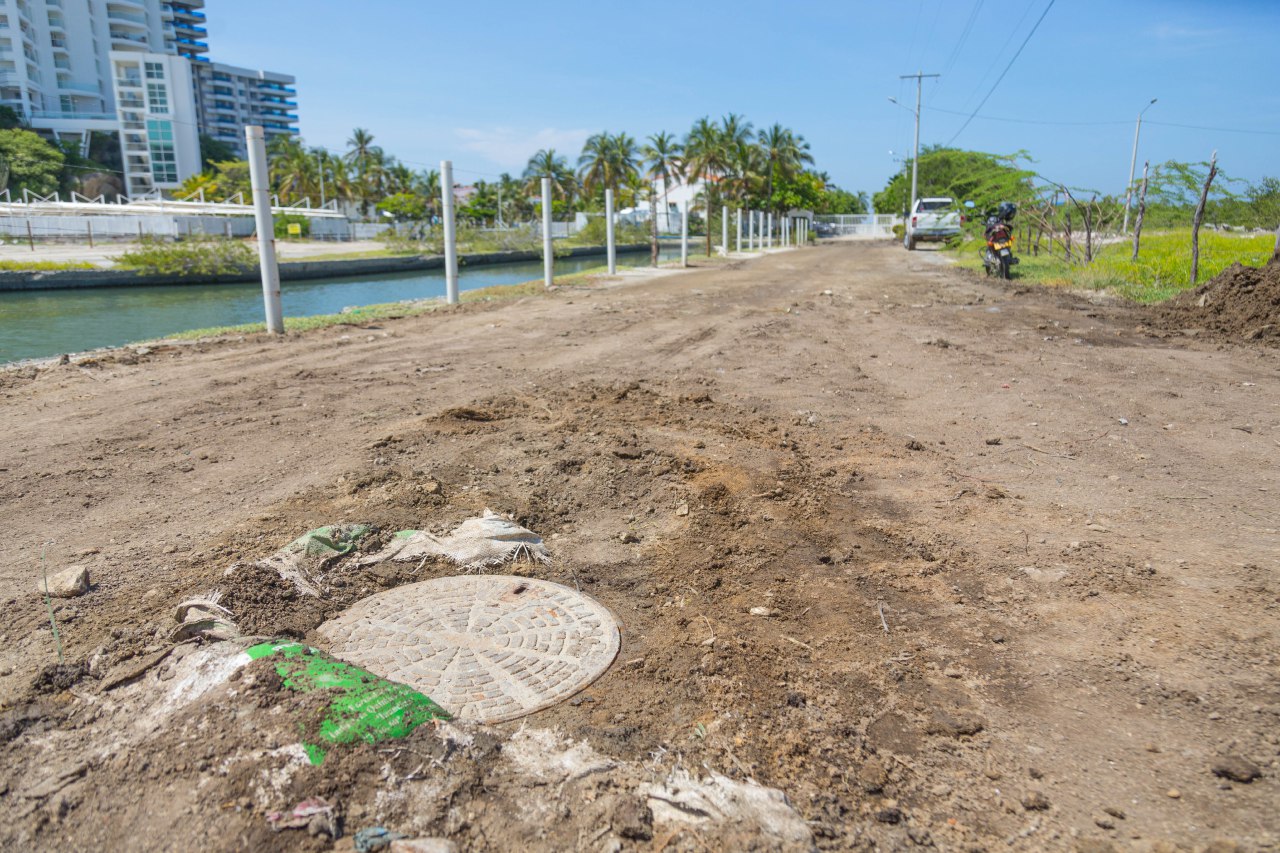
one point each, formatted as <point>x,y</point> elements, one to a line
<point>738,227</point>
<point>260,182</point>
<point>768,231</point>
<point>548,256</point>
<point>724,229</point>
<point>611,248</point>
<point>684,234</point>
<point>751,230</point>
<point>450,233</point>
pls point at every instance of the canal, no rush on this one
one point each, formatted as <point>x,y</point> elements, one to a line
<point>42,323</point>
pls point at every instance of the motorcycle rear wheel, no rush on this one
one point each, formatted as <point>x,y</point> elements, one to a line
<point>1004,268</point>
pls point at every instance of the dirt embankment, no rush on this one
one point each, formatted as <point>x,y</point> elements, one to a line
<point>1013,564</point>
<point>1241,303</point>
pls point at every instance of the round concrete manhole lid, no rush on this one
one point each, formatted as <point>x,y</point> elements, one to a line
<point>486,648</point>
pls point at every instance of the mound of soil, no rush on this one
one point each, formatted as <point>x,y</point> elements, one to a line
<point>1240,303</point>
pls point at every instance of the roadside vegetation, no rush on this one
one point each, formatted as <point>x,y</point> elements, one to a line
<point>1161,271</point>
<point>196,256</point>
<point>44,266</point>
<point>1186,221</point>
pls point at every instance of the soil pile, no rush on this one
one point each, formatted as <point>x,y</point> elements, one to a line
<point>1240,303</point>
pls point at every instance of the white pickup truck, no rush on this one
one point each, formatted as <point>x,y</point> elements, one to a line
<point>932,219</point>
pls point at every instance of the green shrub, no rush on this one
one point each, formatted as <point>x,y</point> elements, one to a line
<point>198,256</point>
<point>283,221</point>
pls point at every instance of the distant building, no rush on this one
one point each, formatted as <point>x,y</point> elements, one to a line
<point>230,98</point>
<point>72,68</point>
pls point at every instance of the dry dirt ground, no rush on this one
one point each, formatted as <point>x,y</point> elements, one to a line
<point>1067,523</point>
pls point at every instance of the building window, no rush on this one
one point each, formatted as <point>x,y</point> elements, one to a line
<point>164,161</point>
<point>158,96</point>
<point>155,71</point>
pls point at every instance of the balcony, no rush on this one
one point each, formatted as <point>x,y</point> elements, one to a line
<point>127,18</point>
<point>127,41</point>
<point>78,86</point>
<point>46,116</point>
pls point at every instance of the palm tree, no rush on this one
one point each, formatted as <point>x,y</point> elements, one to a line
<point>706,159</point>
<point>366,158</point>
<point>784,153</point>
<point>607,161</point>
<point>548,164</point>
<point>736,134</point>
<point>664,161</point>
<point>292,169</point>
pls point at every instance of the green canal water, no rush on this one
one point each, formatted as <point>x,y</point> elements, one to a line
<point>43,323</point>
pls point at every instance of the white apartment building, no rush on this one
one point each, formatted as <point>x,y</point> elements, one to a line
<point>124,67</point>
<point>229,98</point>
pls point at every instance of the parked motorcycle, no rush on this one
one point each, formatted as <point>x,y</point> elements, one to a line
<point>998,257</point>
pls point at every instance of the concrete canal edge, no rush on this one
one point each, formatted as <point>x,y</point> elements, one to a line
<point>289,270</point>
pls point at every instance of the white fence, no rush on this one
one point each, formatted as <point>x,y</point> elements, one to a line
<point>857,225</point>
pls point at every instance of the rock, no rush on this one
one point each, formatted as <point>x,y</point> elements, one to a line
<point>1114,812</point>
<point>433,487</point>
<point>1103,821</point>
<point>957,724</point>
<point>890,816</point>
<point>1173,794</point>
<point>872,776</point>
<point>632,818</point>
<point>914,445</point>
<point>628,538</point>
<point>1035,801</point>
<point>994,441</point>
<point>1236,769</point>
<point>763,611</point>
<point>423,845</point>
<point>68,583</point>
<point>682,510</point>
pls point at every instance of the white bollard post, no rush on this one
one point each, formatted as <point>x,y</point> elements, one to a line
<point>738,227</point>
<point>450,233</point>
<point>684,234</point>
<point>724,229</point>
<point>548,256</point>
<point>611,249</point>
<point>752,230</point>
<point>786,231</point>
<point>768,231</point>
<point>260,184</point>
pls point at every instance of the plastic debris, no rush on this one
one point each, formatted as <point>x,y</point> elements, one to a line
<point>476,544</point>
<point>302,560</point>
<point>313,814</point>
<point>375,838</point>
<point>204,617</point>
<point>763,814</point>
<point>364,707</point>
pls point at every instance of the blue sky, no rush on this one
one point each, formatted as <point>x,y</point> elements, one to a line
<point>487,83</point>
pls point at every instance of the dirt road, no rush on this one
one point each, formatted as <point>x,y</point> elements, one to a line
<point>1067,526</point>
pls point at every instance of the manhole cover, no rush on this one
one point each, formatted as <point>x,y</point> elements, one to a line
<point>487,648</point>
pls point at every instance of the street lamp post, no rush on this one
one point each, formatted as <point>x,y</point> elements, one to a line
<point>1133,164</point>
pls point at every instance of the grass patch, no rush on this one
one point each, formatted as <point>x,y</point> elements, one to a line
<point>354,256</point>
<point>44,266</point>
<point>354,317</point>
<point>1163,268</point>
<point>198,256</point>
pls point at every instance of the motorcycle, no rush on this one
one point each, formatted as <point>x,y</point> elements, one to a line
<point>998,257</point>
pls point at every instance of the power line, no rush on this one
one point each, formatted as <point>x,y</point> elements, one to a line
<point>1003,73</point>
<point>1218,129</point>
<point>1027,121</point>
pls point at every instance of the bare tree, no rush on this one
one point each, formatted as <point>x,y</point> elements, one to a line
<point>1142,209</point>
<point>1199,217</point>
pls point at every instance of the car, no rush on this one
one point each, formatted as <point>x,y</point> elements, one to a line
<point>933,219</point>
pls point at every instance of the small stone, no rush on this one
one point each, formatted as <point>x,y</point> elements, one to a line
<point>682,510</point>
<point>433,487</point>
<point>914,445</point>
<point>763,611</point>
<point>170,549</point>
<point>1236,769</point>
<point>953,672</point>
<point>994,441</point>
<point>1035,801</point>
<point>890,816</point>
<point>628,538</point>
<point>1104,821</point>
<point>1173,794</point>
<point>872,776</point>
<point>1115,812</point>
<point>68,583</point>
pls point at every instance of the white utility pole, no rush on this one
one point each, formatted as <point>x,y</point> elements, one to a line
<point>684,234</point>
<point>500,225</point>
<point>450,233</point>
<point>1133,163</point>
<point>260,183</point>
<point>915,158</point>
<point>724,228</point>
<point>611,250</point>
<point>738,228</point>
<point>751,230</point>
<point>768,231</point>
<point>548,257</point>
